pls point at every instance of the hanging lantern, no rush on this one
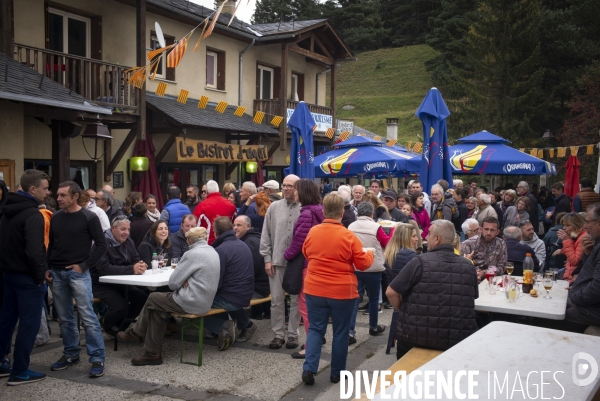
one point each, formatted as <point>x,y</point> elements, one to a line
<point>139,163</point>
<point>251,167</point>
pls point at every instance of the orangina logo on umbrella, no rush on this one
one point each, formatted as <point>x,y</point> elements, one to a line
<point>466,161</point>
<point>334,166</point>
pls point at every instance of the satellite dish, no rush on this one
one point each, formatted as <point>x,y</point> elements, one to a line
<point>159,35</point>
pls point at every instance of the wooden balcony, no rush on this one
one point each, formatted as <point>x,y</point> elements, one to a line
<point>100,82</point>
<point>271,106</point>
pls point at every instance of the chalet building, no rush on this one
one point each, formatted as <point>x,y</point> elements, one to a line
<point>64,89</point>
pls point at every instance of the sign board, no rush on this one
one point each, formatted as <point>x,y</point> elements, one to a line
<point>323,121</point>
<point>117,180</point>
<point>192,150</point>
<point>345,125</point>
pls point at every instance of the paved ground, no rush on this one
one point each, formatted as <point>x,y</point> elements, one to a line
<point>246,371</point>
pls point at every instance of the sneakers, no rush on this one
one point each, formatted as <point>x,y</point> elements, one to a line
<point>308,377</point>
<point>128,336</point>
<point>292,343</point>
<point>226,335</point>
<point>64,362</point>
<point>351,340</point>
<point>97,369</point>
<point>276,343</point>
<point>247,333</point>
<point>366,312</point>
<point>29,376</point>
<point>388,305</point>
<point>148,359</point>
<point>364,307</point>
<point>5,367</point>
<point>377,331</point>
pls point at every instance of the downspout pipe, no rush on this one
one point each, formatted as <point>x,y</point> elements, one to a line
<point>240,75</point>
<point>317,88</point>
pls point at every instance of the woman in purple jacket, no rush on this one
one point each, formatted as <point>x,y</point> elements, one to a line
<point>311,214</point>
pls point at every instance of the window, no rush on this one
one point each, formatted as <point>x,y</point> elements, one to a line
<point>163,71</point>
<point>297,88</point>
<point>265,84</point>
<point>68,33</point>
<point>294,95</point>
<point>215,69</point>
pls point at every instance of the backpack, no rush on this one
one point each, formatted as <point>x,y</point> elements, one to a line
<point>453,207</point>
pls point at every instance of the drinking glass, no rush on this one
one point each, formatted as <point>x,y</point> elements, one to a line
<point>174,262</point>
<point>548,286</point>
<point>489,275</point>
<point>537,277</point>
<point>510,266</point>
<point>161,261</point>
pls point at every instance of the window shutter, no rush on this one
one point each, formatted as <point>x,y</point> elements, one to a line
<point>221,71</point>
<point>277,83</point>
<point>300,84</point>
<point>169,40</point>
<point>257,82</point>
<point>96,39</point>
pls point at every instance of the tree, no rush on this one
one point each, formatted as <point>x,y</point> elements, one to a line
<point>498,75</point>
<point>406,22</point>
<point>268,11</point>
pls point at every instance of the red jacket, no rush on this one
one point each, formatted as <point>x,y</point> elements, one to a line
<point>209,209</point>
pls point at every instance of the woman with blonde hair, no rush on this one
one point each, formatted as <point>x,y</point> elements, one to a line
<point>471,206</point>
<point>227,189</point>
<point>401,249</point>
<point>508,199</point>
<point>132,199</point>
<point>571,235</point>
<point>381,212</point>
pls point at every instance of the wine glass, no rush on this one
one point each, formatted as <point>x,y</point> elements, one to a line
<point>510,266</point>
<point>161,261</point>
<point>490,273</point>
<point>174,262</point>
<point>548,286</point>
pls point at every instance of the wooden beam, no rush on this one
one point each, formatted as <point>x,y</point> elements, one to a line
<point>6,22</point>
<point>165,149</point>
<point>164,130</point>
<point>272,149</point>
<point>140,19</point>
<point>61,154</point>
<point>323,47</point>
<point>121,151</point>
<point>58,113</point>
<point>312,43</point>
<point>113,126</point>
<point>313,55</point>
<point>107,159</point>
<point>333,98</point>
<point>283,94</point>
<point>229,167</point>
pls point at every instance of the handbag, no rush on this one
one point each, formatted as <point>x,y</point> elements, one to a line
<point>292,278</point>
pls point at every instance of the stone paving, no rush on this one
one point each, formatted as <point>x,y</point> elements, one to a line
<point>245,371</point>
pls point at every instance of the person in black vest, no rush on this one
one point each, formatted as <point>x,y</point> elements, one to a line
<point>435,294</point>
<point>140,225</point>
<point>178,240</point>
<point>121,257</point>
<point>561,201</point>
<point>23,261</point>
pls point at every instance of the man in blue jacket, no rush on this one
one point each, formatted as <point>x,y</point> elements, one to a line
<point>23,262</point>
<point>174,210</point>
<point>236,285</point>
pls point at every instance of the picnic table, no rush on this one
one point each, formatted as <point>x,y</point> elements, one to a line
<point>525,305</point>
<point>520,353</point>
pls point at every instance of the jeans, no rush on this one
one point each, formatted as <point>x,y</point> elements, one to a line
<point>319,310</point>
<point>215,322</point>
<point>66,286</point>
<point>23,302</point>
<point>372,282</point>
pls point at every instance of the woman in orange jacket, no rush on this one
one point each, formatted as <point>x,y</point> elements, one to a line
<point>571,236</point>
<point>330,286</point>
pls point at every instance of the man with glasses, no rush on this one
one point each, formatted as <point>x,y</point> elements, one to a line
<point>376,187</point>
<point>470,228</point>
<point>486,249</point>
<point>523,190</point>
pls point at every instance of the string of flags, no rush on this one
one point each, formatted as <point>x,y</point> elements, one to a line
<point>560,152</point>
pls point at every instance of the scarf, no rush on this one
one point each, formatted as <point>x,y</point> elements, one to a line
<point>153,216</point>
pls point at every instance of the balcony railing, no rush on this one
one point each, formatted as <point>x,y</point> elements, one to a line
<point>271,106</point>
<point>100,82</point>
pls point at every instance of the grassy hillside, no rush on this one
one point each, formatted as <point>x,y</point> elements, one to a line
<point>385,83</point>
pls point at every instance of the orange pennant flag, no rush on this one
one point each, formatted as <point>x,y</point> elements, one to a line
<point>574,150</point>
<point>214,20</point>
<point>562,152</point>
<point>176,54</point>
<point>377,138</point>
<point>203,102</point>
<point>160,90</point>
<point>590,150</point>
<point>258,117</point>
<point>418,147</point>
<point>540,154</point>
<point>392,142</point>
<point>330,133</point>
<point>533,152</point>
<point>276,121</point>
<point>154,53</point>
<point>344,135</point>
<point>183,95</point>
<point>551,153</point>
<point>239,111</point>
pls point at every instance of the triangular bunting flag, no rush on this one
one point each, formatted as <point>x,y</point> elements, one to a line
<point>522,150</point>
<point>574,150</point>
<point>154,53</point>
<point>562,152</point>
<point>221,107</point>
<point>176,54</point>
<point>258,117</point>
<point>203,102</point>
<point>418,147</point>
<point>344,135</point>
<point>183,95</point>
<point>589,150</point>
<point>551,153</point>
<point>533,152</point>
<point>330,133</point>
<point>276,121</point>
<point>540,154</point>
<point>214,20</point>
<point>160,90</point>
<point>239,111</point>
<point>392,142</point>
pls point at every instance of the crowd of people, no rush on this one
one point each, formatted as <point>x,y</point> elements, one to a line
<point>421,253</point>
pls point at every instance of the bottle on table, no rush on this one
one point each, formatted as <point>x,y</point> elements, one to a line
<point>527,273</point>
<point>154,263</point>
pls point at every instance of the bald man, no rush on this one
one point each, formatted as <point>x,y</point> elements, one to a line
<point>117,204</point>
<point>276,238</point>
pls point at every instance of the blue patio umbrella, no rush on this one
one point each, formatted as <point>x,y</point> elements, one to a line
<point>435,164</point>
<point>302,150</point>
<point>367,160</point>
<point>486,153</point>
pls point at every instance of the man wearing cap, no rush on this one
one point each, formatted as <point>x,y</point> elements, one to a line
<point>271,188</point>
<point>389,200</point>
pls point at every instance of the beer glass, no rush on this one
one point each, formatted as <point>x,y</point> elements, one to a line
<point>548,286</point>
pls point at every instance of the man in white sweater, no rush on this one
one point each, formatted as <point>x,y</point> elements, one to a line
<point>194,283</point>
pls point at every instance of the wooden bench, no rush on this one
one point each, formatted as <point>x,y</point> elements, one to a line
<point>411,361</point>
<point>197,321</point>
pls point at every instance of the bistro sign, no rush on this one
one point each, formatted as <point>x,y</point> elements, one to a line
<point>204,151</point>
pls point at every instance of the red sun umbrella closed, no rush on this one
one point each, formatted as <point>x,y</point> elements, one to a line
<point>147,182</point>
<point>572,177</point>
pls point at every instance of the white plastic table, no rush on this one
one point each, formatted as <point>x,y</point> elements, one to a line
<point>148,279</point>
<point>514,351</point>
<point>526,305</point>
